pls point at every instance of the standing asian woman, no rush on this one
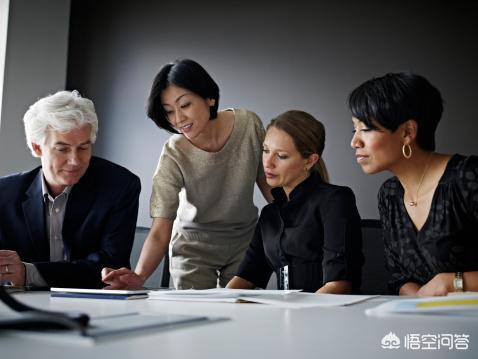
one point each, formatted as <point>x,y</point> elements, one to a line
<point>202,200</point>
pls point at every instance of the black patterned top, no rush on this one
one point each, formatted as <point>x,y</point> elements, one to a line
<point>448,241</point>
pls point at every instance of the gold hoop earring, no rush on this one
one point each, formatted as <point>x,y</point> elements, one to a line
<point>406,151</point>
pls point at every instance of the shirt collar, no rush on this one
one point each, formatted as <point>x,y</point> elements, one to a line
<point>279,194</point>
<point>46,193</point>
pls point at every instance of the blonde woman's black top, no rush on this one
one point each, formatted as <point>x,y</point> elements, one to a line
<point>316,233</point>
<point>447,242</point>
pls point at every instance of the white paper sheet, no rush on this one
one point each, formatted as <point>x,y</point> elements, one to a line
<point>278,298</point>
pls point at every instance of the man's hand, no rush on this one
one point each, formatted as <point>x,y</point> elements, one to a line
<point>122,278</point>
<point>12,268</point>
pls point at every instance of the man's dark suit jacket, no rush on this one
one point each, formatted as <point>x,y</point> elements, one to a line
<point>98,227</point>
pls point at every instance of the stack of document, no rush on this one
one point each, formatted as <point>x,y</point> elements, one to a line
<point>454,304</point>
<point>279,298</point>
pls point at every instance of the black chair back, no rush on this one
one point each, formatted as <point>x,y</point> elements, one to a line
<point>375,276</point>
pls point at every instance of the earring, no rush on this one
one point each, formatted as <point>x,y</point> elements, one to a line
<point>406,151</point>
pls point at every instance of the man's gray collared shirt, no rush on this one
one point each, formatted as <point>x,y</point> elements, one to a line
<point>54,214</point>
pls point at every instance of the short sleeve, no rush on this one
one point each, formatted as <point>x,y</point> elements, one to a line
<point>260,134</point>
<point>254,267</point>
<point>342,248</point>
<point>167,183</point>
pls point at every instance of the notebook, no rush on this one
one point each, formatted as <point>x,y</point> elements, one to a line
<point>99,293</point>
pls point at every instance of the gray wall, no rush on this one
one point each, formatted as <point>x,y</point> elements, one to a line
<point>35,66</point>
<point>4,7</point>
<point>270,57</point>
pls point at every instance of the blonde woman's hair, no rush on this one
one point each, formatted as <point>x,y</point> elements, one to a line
<point>308,135</point>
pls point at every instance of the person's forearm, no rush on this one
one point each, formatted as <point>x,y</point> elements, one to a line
<point>336,287</point>
<point>470,281</point>
<point>444,283</point>
<point>239,283</point>
<point>151,255</point>
<point>155,247</point>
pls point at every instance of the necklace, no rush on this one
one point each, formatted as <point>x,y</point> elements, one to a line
<point>414,203</point>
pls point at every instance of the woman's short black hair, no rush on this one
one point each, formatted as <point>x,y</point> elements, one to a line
<point>395,98</point>
<point>187,74</point>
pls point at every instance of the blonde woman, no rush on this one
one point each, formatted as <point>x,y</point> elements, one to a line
<point>310,235</point>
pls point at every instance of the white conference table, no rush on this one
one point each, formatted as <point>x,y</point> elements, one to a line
<point>252,331</point>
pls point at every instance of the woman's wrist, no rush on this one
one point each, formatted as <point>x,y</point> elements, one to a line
<point>448,280</point>
<point>142,276</point>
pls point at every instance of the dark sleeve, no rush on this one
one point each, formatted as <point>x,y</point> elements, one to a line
<point>392,258</point>
<point>468,182</point>
<point>254,267</point>
<point>114,249</point>
<point>394,266</point>
<point>342,248</point>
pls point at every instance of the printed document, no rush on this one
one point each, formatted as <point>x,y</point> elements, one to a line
<point>278,298</point>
